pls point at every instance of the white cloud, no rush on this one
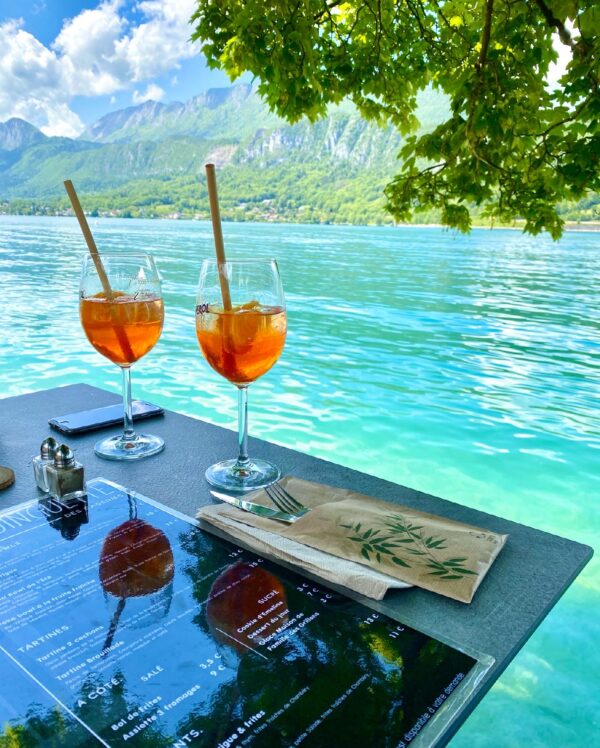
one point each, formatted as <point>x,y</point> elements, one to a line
<point>86,47</point>
<point>156,46</point>
<point>96,53</point>
<point>31,83</point>
<point>152,93</point>
<point>61,121</point>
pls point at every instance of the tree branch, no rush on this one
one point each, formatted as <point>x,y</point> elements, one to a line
<point>575,114</point>
<point>479,67</point>
<point>553,21</point>
<point>425,33</point>
<point>453,29</point>
<point>486,35</point>
<point>327,9</point>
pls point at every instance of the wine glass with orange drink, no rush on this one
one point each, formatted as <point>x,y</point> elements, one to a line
<point>241,327</point>
<point>122,317</point>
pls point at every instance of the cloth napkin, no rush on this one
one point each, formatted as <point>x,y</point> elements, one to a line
<point>363,543</point>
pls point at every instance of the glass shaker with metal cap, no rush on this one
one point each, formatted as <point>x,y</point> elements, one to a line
<point>65,475</point>
<point>40,462</point>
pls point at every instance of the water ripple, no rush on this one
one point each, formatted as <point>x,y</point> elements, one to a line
<point>462,366</point>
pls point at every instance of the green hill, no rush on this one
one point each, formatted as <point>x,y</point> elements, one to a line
<point>149,161</point>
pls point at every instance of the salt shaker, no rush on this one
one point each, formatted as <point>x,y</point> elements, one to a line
<point>41,462</point>
<point>65,475</point>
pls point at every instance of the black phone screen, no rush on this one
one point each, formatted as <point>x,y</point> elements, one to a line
<point>97,418</point>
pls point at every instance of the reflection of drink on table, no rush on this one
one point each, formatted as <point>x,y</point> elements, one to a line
<point>246,604</point>
<point>136,560</point>
<point>137,322</point>
<point>243,343</point>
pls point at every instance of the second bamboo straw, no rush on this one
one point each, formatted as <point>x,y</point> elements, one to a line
<point>213,198</point>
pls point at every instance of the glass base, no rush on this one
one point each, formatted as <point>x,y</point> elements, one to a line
<point>229,477</point>
<point>118,448</point>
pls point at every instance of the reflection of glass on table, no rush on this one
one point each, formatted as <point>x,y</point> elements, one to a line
<point>136,566</point>
<point>237,598</point>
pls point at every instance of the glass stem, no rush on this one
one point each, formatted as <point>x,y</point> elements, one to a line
<point>243,459</point>
<point>128,432</point>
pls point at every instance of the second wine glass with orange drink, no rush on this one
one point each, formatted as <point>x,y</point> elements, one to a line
<point>241,328</point>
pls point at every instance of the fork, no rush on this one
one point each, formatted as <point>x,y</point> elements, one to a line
<point>284,501</point>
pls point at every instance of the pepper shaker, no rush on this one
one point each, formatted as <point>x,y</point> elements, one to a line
<point>65,475</point>
<point>41,462</point>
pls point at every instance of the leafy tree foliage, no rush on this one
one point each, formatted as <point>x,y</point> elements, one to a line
<point>514,145</point>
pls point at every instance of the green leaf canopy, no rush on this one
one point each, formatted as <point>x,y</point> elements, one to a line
<point>516,142</point>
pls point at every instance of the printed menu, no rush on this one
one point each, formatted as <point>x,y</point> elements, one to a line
<point>124,624</point>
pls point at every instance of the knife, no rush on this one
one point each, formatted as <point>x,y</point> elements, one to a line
<point>258,509</point>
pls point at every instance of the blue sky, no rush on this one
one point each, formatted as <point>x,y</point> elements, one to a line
<point>65,63</point>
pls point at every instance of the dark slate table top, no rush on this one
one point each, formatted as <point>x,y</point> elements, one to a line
<point>532,572</point>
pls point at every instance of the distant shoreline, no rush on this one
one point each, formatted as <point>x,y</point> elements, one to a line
<point>571,226</point>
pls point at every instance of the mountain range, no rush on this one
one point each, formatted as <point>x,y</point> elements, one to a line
<point>148,160</point>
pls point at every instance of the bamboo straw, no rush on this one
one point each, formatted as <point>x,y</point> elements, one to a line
<point>89,240</point>
<point>213,198</point>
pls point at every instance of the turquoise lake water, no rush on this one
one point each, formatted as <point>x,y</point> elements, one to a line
<point>467,367</point>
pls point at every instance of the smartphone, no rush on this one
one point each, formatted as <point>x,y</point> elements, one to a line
<point>98,418</point>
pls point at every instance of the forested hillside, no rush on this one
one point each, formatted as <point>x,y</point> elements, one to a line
<point>148,161</point>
